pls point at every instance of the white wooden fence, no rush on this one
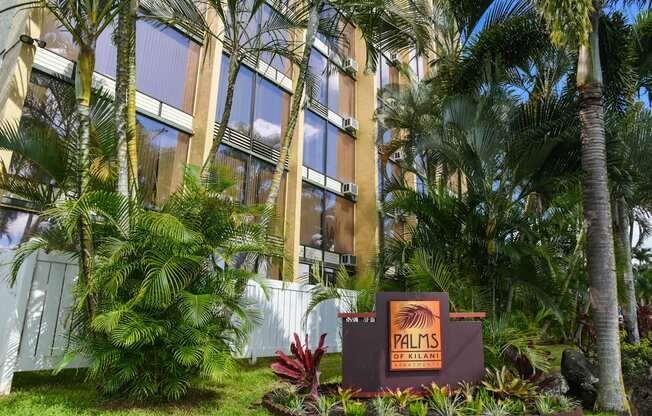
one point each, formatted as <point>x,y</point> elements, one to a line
<point>34,316</point>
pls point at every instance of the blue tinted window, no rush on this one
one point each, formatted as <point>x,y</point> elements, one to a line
<point>240,118</point>
<point>272,108</point>
<point>318,64</point>
<point>271,35</point>
<point>314,135</point>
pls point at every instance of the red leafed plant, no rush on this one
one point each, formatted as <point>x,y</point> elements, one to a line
<point>302,369</point>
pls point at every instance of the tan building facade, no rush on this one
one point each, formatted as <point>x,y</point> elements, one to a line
<point>329,203</point>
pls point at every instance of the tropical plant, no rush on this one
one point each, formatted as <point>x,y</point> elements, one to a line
<point>85,20</point>
<point>548,404</point>
<point>383,407</point>
<point>297,405</point>
<point>580,22</point>
<point>167,311</point>
<point>355,409</point>
<point>418,409</point>
<point>364,285</point>
<point>402,397</point>
<point>344,396</point>
<point>323,405</point>
<point>301,370</point>
<point>503,385</point>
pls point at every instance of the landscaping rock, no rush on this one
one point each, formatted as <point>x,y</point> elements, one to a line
<point>578,372</point>
<point>555,384</point>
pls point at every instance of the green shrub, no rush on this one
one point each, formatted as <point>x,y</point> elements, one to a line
<point>384,407</point>
<point>637,359</point>
<point>355,409</point>
<point>323,405</point>
<point>167,308</point>
<point>418,409</point>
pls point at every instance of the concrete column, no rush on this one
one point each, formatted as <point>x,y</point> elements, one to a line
<point>16,66</point>
<point>206,94</point>
<point>366,164</point>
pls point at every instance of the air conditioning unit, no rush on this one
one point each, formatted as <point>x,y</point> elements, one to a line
<point>350,66</point>
<point>350,190</point>
<point>350,124</point>
<point>348,260</point>
<point>398,156</point>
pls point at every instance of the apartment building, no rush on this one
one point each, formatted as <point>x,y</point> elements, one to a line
<point>328,209</point>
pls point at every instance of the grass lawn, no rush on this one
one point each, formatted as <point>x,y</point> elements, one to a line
<point>42,394</point>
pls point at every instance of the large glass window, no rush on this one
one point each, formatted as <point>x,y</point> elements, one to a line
<point>166,60</point>
<point>312,209</point>
<point>253,180</point>
<point>327,149</point>
<point>340,155</point>
<point>335,89</point>
<point>240,117</point>
<point>338,224</point>
<point>272,35</point>
<point>16,226</point>
<point>314,136</point>
<point>387,73</point>
<point>271,114</point>
<point>326,220</point>
<point>162,153</point>
<point>265,121</point>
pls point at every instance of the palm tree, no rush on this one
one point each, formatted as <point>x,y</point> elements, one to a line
<point>162,12</point>
<point>579,22</point>
<point>241,42</point>
<point>85,20</point>
<point>386,25</point>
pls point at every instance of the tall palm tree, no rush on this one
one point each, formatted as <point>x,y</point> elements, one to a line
<point>386,25</point>
<point>161,12</point>
<point>242,41</point>
<point>85,20</point>
<point>578,22</point>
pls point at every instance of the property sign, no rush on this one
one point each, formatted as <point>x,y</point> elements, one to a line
<point>415,339</point>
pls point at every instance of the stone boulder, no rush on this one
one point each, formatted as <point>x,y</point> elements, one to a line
<point>555,384</point>
<point>580,375</point>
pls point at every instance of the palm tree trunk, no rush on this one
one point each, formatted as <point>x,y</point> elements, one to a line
<point>234,66</point>
<point>297,101</point>
<point>132,143</point>
<point>597,215</point>
<point>83,89</point>
<point>629,309</point>
<point>121,87</point>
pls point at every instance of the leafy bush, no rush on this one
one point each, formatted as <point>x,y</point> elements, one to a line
<point>637,359</point>
<point>165,308</point>
<point>355,409</point>
<point>384,407</point>
<point>547,404</point>
<point>323,405</point>
<point>402,398</point>
<point>503,385</point>
<point>302,370</point>
<point>418,409</point>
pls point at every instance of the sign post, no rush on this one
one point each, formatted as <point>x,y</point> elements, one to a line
<point>411,341</point>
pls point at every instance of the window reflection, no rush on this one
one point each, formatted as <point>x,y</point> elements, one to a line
<point>272,110</point>
<point>319,136</point>
<point>311,216</point>
<point>340,155</point>
<point>166,60</point>
<point>313,141</point>
<point>240,118</point>
<point>16,226</point>
<point>279,37</point>
<point>162,152</point>
<point>318,66</point>
<point>387,74</point>
<point>338,224</point>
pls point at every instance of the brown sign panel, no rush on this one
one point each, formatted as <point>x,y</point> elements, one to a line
<point>415,341</point>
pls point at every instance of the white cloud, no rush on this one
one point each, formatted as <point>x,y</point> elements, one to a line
<point>266,129</point>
